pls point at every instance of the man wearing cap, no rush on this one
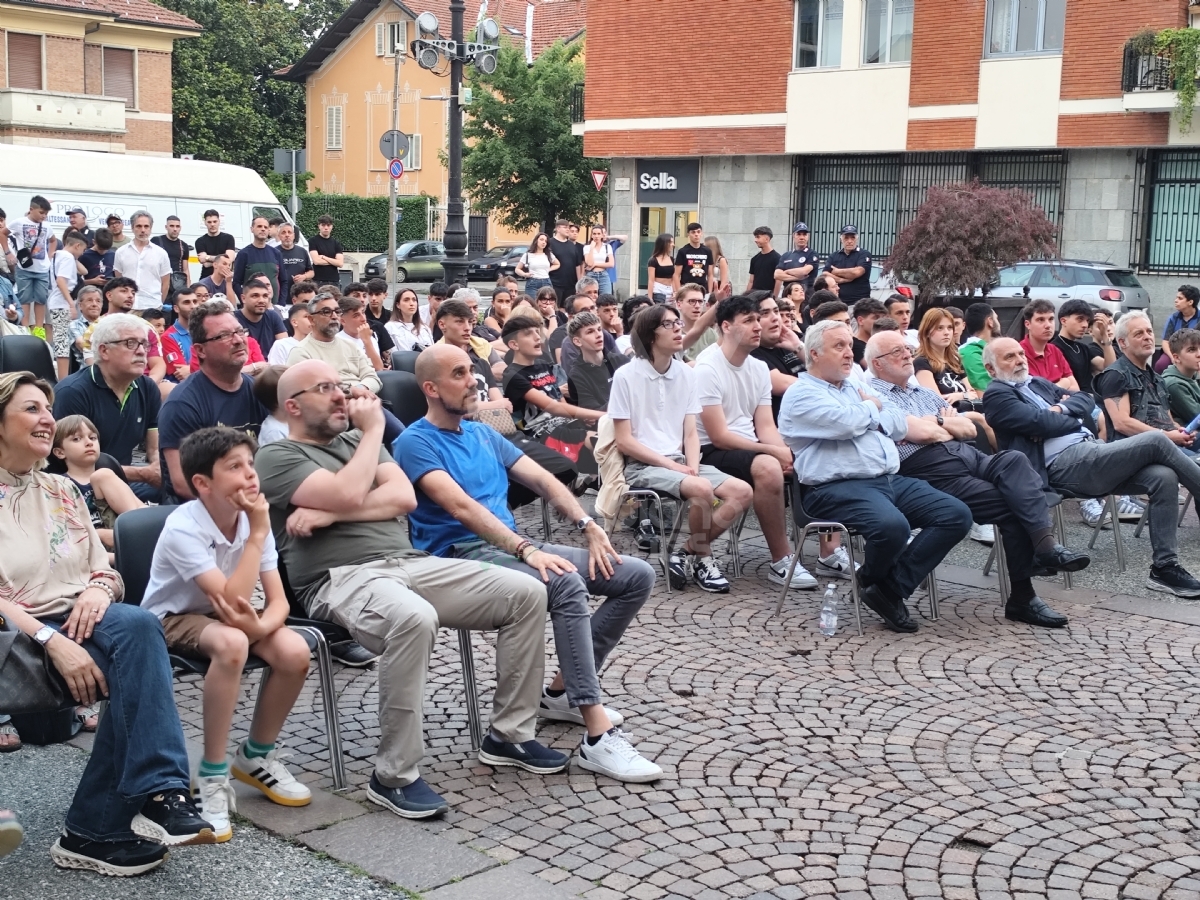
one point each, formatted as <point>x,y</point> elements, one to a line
<point>798,264</point>
<point>78,219</point>
<point>850,268</point>
<point>116,225</point>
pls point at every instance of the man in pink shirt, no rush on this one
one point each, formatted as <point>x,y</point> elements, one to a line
<point>1045,360</point>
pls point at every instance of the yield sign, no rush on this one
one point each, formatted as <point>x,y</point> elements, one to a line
<point>599,177</point>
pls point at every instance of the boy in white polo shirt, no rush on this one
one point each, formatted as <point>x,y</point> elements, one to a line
<point>654,404</point>
<point>211,554</point>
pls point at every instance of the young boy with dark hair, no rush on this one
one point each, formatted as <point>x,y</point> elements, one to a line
<point>210,555</point>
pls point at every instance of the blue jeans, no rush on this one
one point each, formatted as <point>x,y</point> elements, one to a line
<point>602,279</point>
<point>582,638</point>
<point>884,510</point>
<point>146,492</point>
<point>139,748</point>
<point>533,285</point>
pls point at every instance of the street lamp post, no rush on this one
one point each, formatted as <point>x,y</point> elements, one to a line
<point>427,49</point>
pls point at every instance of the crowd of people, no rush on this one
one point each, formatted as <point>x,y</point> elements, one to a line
<point>251,401</point>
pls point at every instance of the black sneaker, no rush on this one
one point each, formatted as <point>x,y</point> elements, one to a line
<point>528,755</point>
<point>677,572</point>
<point>647,537</point>
<point>413,801</point>
<point>352,653</point>
<point>708,575</point>
<point>119,858</point>
<point>171,818</point>
<point>1173,579</point>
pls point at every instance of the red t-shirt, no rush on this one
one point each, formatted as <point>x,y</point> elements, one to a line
<point>1051,365</point>
<point>256,355</point>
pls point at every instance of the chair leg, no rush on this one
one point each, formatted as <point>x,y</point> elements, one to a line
<point>1144,519</point>
<point>467,655</point>
<point>1061,524</point>
<point>931,589</point>
<point>337,763</point>
<point>735,553</point>
<point>1118,538</point>
<point>1182,512</point>
<point>1002,568</point>
<point>815,528</point>
<point>545,519</point>
<point>987,566</point>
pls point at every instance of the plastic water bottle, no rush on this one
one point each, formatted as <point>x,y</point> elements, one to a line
<point>829,612</point>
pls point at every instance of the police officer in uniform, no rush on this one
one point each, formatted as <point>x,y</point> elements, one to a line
<point>851,267</point>
<point>798,264</point>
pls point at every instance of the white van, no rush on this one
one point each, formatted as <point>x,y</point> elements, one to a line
<point>105,183</point>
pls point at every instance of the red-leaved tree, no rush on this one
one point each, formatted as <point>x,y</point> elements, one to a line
<point>964,233</point>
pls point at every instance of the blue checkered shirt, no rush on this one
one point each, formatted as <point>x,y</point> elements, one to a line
<point>915,401</point>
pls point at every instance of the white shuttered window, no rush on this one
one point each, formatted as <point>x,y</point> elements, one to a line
<point>333,128</point>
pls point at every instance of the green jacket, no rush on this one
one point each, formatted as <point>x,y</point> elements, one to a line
<point>971,354</point>
<point>1185,395</point>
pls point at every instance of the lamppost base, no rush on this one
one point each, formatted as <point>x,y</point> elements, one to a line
<point>456,271</point>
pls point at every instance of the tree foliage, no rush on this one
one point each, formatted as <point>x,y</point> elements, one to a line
<point>361,223</point>
<point>227,107</point>
<point>521,162</point>
<point>964,233</point>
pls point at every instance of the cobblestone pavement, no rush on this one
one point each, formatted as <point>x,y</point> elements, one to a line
<point>977,758</point>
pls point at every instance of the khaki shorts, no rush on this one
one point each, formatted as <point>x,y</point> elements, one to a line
<point>667,481</point>
<point>183,632</point>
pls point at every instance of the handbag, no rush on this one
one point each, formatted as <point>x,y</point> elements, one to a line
<point>497,419</point>
<point>29,682</point>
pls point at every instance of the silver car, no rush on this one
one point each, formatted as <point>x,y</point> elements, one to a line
<point>1104,285</point>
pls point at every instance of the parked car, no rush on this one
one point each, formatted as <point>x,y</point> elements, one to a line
<point>1105,285</point>
<point>415,261</point>
<point>883,286</point>
<point>496,262</point>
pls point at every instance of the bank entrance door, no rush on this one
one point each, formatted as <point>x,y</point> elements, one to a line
<point>654,221</point>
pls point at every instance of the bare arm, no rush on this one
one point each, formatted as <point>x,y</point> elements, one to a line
<point>559,408</point>
<point>392,496</point>
<point>691,443</point>
<point>446,493</point>
<point>1118,411</point>
<point>701,325</point>
<point>347,489</point>
<point>178,482</point>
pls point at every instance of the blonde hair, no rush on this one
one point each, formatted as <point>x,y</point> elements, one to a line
<point>10,382</point>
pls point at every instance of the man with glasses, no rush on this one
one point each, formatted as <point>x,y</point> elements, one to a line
<point>1002,489</point>
<point>697,322</point>
<point>120,399</point>
<point>219,393</point>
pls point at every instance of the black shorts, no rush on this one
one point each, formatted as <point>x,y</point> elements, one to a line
<point>736,463</point>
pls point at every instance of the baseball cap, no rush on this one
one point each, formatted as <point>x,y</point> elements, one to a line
<point>113,217</point>
<point>849,229</point>
<point>77,209</point>
<point>800,226</point>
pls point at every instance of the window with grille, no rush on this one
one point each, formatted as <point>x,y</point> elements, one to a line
<point>1172,232</point>
<point>390,38</point>
<point>412,159</point>
<point>333,128</point>
<point>120,79</point>
<point>25,61</point>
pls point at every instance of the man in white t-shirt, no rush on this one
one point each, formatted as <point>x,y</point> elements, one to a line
<point>737,430</point>
<point>144,262</point>
<point>654,405</point>
<point>61,305</point>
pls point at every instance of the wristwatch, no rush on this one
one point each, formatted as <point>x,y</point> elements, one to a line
<point>43,635</point>
<point>583,523</point>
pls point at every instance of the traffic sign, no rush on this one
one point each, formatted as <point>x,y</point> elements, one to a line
<point>396,168</point>
<point>599,177</point>
<point>393,144</point>
<point>294,204</point>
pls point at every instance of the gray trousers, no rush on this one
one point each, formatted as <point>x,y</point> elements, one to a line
<point>1143,464</point>
<point>582,638</point>
<point>393,607</point>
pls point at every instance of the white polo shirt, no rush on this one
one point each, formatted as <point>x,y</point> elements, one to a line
<point>190,545</point>
<point>738,390</point>
<point>655,404</point>
<point>147,267</point>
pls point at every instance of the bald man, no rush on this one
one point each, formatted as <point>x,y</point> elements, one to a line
<point>461,471</point>
<point>335,496</point>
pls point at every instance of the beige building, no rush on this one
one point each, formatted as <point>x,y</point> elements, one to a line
<point>349,74</point>
<point>88,74</point>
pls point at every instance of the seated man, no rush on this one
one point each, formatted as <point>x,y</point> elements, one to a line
<point>1045,359</point>
<point>1135,398</point>
<point>846,459</point>
<point>590,382</point>
<point>1183,386</point>
<point>899,308</point>
<point>1052,426</point>
<point>335,498</point>
<point>983,325</point>
<point>561,343</point>
<point>654,405</point>
<point>461,471</point>
<point>1085,359</point>
<point>1002,490</point>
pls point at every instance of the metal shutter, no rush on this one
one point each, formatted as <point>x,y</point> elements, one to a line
<point>25,61</point>
<point>119,80</point>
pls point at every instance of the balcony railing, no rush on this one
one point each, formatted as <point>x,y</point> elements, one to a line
<point>1146,72</point>
<point>576,103</point>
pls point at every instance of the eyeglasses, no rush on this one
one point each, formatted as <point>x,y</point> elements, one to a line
<point>225,335</point>
<point>672,324</point>
<point>131,344</point>
<point>907,351</point>
<point>323,388</point>
<point>331,311</point>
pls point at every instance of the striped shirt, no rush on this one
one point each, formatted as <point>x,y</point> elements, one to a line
<point>915,401</point>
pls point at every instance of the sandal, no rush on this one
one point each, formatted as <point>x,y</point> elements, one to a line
<point>88,716</point>
<point>11,832</point>
<point>9,741</point>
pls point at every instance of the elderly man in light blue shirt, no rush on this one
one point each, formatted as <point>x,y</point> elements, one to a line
<point>844,441</point>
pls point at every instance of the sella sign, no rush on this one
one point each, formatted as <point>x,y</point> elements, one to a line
<point>668,181</point>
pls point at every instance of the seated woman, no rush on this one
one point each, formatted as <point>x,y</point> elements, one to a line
<point>405,325</point>
<point>59,589</point>
<point>939,368</point>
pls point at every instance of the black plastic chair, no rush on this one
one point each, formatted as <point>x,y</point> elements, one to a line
<point>27,353</point>
<point>405,360</point>
<point>402,395</point>
<point>136,537</point>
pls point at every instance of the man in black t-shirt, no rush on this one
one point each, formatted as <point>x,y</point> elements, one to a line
<point>1085,359</point>
<point>764,263</point>
<point>296,261</point>
<point>569,254</point>
<point>178,250</point>
<point>326,253</point>
<point>590,381</point>
<point>694,261</point>
<point>213,243</point>
<point>850,268</point>
<point>779,348</point>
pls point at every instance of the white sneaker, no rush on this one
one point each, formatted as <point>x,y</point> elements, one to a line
<point>984,534</point>
<point>801,579</point>
<point>1091,511</point>
<point>836,564</point>
<point>615,757</point>
<point>559,709</point>
<point>217,801</point>
<point>270,775</point>
<point>1129,510</point>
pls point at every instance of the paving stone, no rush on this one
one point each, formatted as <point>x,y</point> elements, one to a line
<point>500,882</point>
<point>326,809</point>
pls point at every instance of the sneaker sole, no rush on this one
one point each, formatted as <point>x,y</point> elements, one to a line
<point>152,831</point>
<point>1166,589</point>
<point>357,665</point>
<point>829,572</point>
<point>776,578</point>
<point>66,859</point>
<point>585,763</point>
<point>489,759</point>
<point>273,796</point>
<point>718,589</point>
<point>574,716</point>
<point>403,813</point>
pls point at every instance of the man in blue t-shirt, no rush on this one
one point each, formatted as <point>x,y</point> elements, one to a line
<point>264,261</point>
<point>218,394</point>
<point>464,466</point>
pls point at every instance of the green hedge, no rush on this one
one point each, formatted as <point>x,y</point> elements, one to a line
<point>361,223</point>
